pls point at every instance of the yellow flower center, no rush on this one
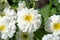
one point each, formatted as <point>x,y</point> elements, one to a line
<point>28,18</point>
<point>57,26</point>
<point>2,27</point>
<point>2,14</point>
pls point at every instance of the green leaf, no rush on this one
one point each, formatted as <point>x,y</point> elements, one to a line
<point>53,11</point>
<point>58,8</point>
<point>40,33</point>
<point>14,1</point>
<point>56,2</point>
<point>28,4</point>
<point>45,12</point>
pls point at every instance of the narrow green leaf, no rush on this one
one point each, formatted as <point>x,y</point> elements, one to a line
<point>45,12</point>
<point>53,11</point>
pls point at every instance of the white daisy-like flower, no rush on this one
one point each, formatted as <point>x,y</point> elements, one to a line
<point>53,24</point>
<point>56,34</point>
<point>21,5</point>
<point>24,36</point>
<point>7,28</point>
<point>50,37</point>
<point>28,20</point>
<point>9,13</point>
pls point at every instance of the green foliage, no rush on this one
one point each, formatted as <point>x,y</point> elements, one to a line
<point>53,11</point>
<point>58,8</point>
<point>56,2</point>
<point>45,12</point>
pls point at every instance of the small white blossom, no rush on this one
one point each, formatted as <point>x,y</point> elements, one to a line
<point>24,36</point>
<point>53,24</point>
<point>28,20</point>
<point>21,5</point>
<point>50,37</point>
<point>7,28</point>
<point>9,13</point>
<point>59,1</point>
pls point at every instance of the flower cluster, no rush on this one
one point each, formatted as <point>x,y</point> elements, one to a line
<point>23,22</point>
<point>52,25</point>
<point>28,21</point>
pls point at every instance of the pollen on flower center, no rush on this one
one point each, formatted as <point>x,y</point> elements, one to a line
<point>2,27</point>
<point>57,26</point>
<point>28,18</point>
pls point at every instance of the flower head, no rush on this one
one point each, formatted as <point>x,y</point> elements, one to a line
<point>28,20</point>
<point>7,12</point>
<point>21,5</point>
<point>53,24</point>
<point>7,28</point>
<point>50,37</point>
<point>24,36</point>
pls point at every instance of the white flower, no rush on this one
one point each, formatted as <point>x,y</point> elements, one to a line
<point>21,5</point>
<point>56,34</point>
<point>53,24</point>
<point>9,13</point>
<point>7,28</point>
<point>7,23</point>
<point>59,1</point>
<point>50,37</point>
<point>24,36</point>
<point>28,20</point>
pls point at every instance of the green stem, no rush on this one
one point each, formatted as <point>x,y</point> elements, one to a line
<point>50,2</point>
<point>34,4</point>
<point>31,1</point>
